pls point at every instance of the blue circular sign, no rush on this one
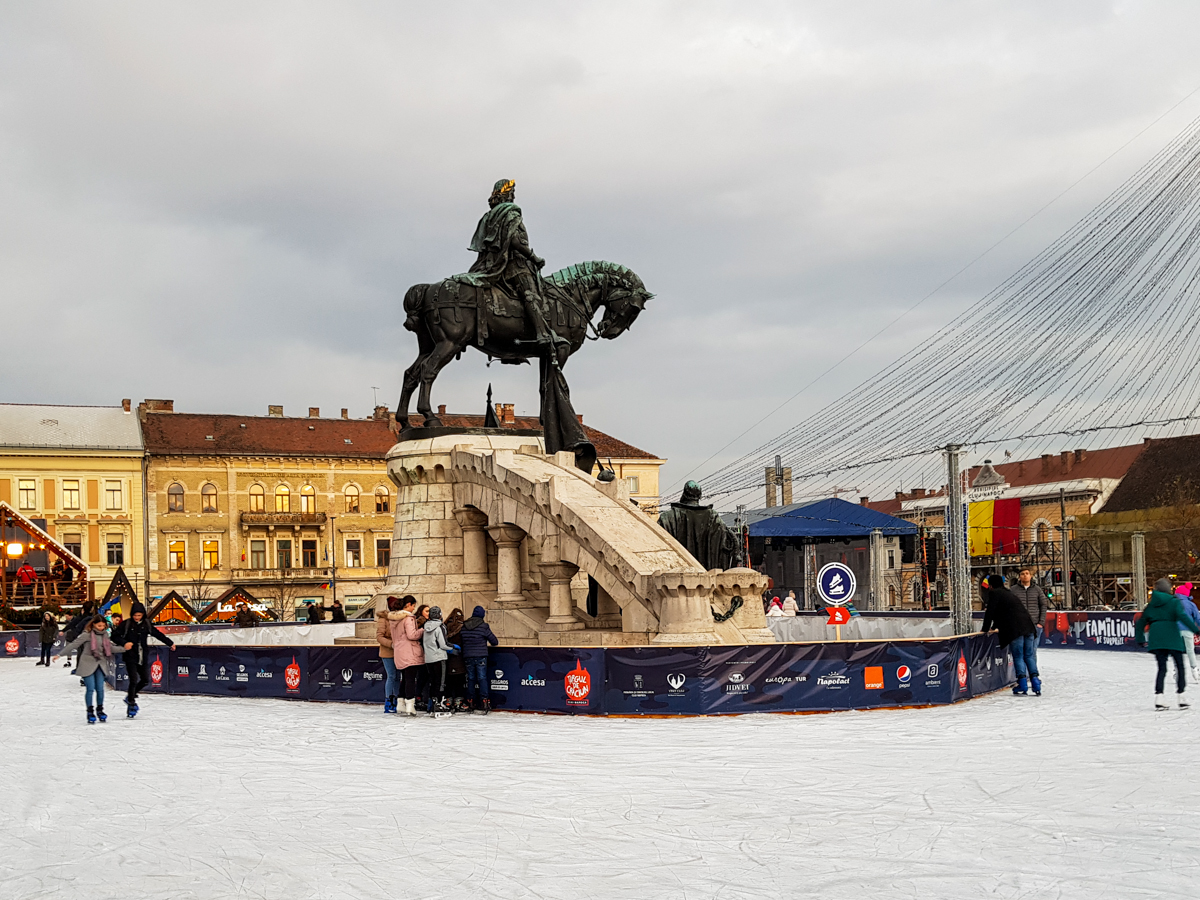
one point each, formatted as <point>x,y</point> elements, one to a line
<point>835,583</point>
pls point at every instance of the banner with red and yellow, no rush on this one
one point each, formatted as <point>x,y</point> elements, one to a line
<point>994,526</point>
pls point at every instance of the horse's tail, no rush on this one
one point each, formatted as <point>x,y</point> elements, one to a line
<point>414,302</point>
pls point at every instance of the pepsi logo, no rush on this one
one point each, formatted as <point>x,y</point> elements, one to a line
<point>904,674</point>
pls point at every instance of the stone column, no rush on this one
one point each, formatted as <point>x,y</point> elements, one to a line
<point>472,522</point>
<point>508,539</point>
<point>562,604</point>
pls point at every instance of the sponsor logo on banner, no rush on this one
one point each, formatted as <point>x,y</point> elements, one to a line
<point>833,680</point>
<point>988,665</point>
<point>263,673</point>
<point>156,671</point>
<point>530,681</point>
<point>675,680</point>
<point>499,682</point>
<point>639,688</point>
<point>221,676</point>
<point>933,670</point>
<point>182,671</point>
<point>291,676</point>
<point>202,675</point>
<point>578,684</point>
<point>11,645</point>
<point>638,682</point>
<point>962,672</point>
<point>736,677</point>
<point>785,679</point>
<point>372,676</point>
<point>873,678</point>
<point>347,675</point>
<point>904,674</point>
<point>242,674</point>
<point>1108,631</point>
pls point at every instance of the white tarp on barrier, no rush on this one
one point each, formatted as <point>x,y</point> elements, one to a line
<point>860,628</point>
<point>268,635</point>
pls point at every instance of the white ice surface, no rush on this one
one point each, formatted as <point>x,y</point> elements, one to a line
<point>1085,792</point>
<point>268,635</point>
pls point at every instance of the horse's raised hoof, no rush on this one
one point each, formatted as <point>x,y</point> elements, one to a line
<point>432,421</point>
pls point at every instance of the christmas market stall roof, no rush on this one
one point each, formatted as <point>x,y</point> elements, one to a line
<point>829,518</point>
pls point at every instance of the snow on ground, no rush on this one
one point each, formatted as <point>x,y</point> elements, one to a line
<point>1085,792</point>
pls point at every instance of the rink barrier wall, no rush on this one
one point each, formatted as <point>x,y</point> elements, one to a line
<point>629,681</point>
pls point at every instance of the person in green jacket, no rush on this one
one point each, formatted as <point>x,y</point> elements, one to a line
<point>1164,618</point>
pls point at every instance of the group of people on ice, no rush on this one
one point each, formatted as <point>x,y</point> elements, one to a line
<point>443,662</point>
<point>98,645</point>
<point>1166,627</point>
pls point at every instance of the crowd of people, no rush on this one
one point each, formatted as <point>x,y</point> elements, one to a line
<point>442,662</point>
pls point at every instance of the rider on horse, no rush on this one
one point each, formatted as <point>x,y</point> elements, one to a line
<point>507,262</point>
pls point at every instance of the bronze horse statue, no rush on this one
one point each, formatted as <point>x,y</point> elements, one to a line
<point>462,311</point>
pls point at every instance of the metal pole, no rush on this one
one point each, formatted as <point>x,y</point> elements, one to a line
<point>333,554</point>
<point>875,602</point>
<point>956,546</point>
<point>1066,548</point>
<point>1138,588</point>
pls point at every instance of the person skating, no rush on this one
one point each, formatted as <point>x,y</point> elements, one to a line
<point>437,651</point>
<point>1166,622</point>
<point>456,672</point>
<point>1011,619</point>
<point>1193,612</point>
<point>77,624</point>
<point>133,635</point>
<point>97,664</point>
<point>383,637</point>
<point>47,635</point>
<point>1032,596</point>
<point>408,649</point>
<point>474,638</point>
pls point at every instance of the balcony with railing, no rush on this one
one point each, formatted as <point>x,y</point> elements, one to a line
<point>283,518</point>
<point>263,576</point>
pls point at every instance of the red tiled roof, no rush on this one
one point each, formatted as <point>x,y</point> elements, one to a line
<point>188,434</point>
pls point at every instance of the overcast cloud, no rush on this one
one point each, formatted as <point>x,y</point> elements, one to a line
<point>223,203</point>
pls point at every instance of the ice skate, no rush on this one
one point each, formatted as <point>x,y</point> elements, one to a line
<point>131,708</point>
<point>486,706</point>
<point>1183,704</point>
<point>100,714</point>
<point>1037,685</point>
<point>91,717</point>
<point>1160,703</point>
<point>1021,688</point>
<point>389,704</point>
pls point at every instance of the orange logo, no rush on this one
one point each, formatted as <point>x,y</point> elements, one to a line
<point>156,671</point>
<point>291,676</point>
<point>578,684</point>
<point>874,678</point>
<point>11,645</point>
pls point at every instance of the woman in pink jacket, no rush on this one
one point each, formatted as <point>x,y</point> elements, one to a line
<point>408,647</point>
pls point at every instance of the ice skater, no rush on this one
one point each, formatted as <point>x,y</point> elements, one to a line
<point>383,637</point>
<point>437,651</point>
<point>77,624</point>
<point>1193,612</point>
<point>133,635</point>
<point>47,634</point>
<point>456,672</point>
<point>1016,629</point>
<point>408,647</point>
<point>475,636</point>
<point>1166,622</point>
<point>97,664</point>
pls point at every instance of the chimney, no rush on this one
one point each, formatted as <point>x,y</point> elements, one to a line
<point>1146,440</point>
<point>441,409</point>
<point>276,411</point>
<point>579,416</point>
<point>506,414</point>
<point>787,486</point>
<point>1080,456</point>
<point>1021,467</point>
<point>1046,457</point>
<point>770,486</point>
<point>1064,459</point>
<point>314,412</point>
<point>900,495</point>
<point>919,492</point>
<point>125,405</point>
<point>862,501</point>
<point>345,413</point>
<point>149,406</point>
<point>381,412</point>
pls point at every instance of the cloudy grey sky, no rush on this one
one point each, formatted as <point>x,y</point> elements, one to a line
<point>223,203</point>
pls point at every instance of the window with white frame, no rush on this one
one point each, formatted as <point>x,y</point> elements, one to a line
<point>175,498</point>
<point>112,495</point>
<point>353,553</point>
<point>208,498</point>
<point>257,498</point>
<point>116,550</point>
<point>26,493</point>
<point>71,493</point>
<point>177,554</point>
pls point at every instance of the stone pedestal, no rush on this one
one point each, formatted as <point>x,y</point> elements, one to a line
<point>508,562</point>
<point>562,604</point>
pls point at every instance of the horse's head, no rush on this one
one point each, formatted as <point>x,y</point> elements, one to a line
<point>624,301</point>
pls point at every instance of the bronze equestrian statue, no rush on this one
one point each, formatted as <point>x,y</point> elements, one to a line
<point>505,308</point>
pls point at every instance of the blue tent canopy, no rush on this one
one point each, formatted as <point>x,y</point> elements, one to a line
<point>831,518</point>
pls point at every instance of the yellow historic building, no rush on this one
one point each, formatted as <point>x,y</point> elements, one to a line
<point>79,469</point>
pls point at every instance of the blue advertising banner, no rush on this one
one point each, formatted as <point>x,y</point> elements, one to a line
<point>353,674</point>
<point>990,665</point>
<point>12,643</point>
<point>1100,630</point>
<point>653,680</point>
<point>548,679</point>
<point>240,671</point>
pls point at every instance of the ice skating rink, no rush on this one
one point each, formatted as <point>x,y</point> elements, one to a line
<point>1085,792</point>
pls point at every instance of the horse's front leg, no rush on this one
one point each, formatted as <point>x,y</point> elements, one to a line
<point>412,377</point>
<point>443,351</point>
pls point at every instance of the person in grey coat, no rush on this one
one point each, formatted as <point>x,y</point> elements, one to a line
<point>1032,597</point>
<point>437,651</point>
<point>97,664</point>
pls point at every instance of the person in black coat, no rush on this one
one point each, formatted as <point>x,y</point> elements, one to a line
<point>133,635</point>
<point>1004,612</point>
<point>474,638</point>
<point>337,612</point>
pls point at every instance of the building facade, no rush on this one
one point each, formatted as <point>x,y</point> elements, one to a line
<point>79,470</point>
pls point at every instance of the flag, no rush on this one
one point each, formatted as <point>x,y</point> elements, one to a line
<point>325,586</point>
<point>994,526</point>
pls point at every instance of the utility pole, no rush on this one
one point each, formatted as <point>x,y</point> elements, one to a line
<point>956,545</point>
<point>333,555</point>
<point>1138,588</point>
<point>1066,548</point>
<point>739,527</point>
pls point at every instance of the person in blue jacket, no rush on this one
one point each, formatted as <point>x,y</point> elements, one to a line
<point>1192,612</point>
<point>474,638</point>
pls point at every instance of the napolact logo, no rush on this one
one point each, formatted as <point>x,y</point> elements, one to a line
<point>833,679</point>
<point>578,684</point>
<point>291,676</point>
